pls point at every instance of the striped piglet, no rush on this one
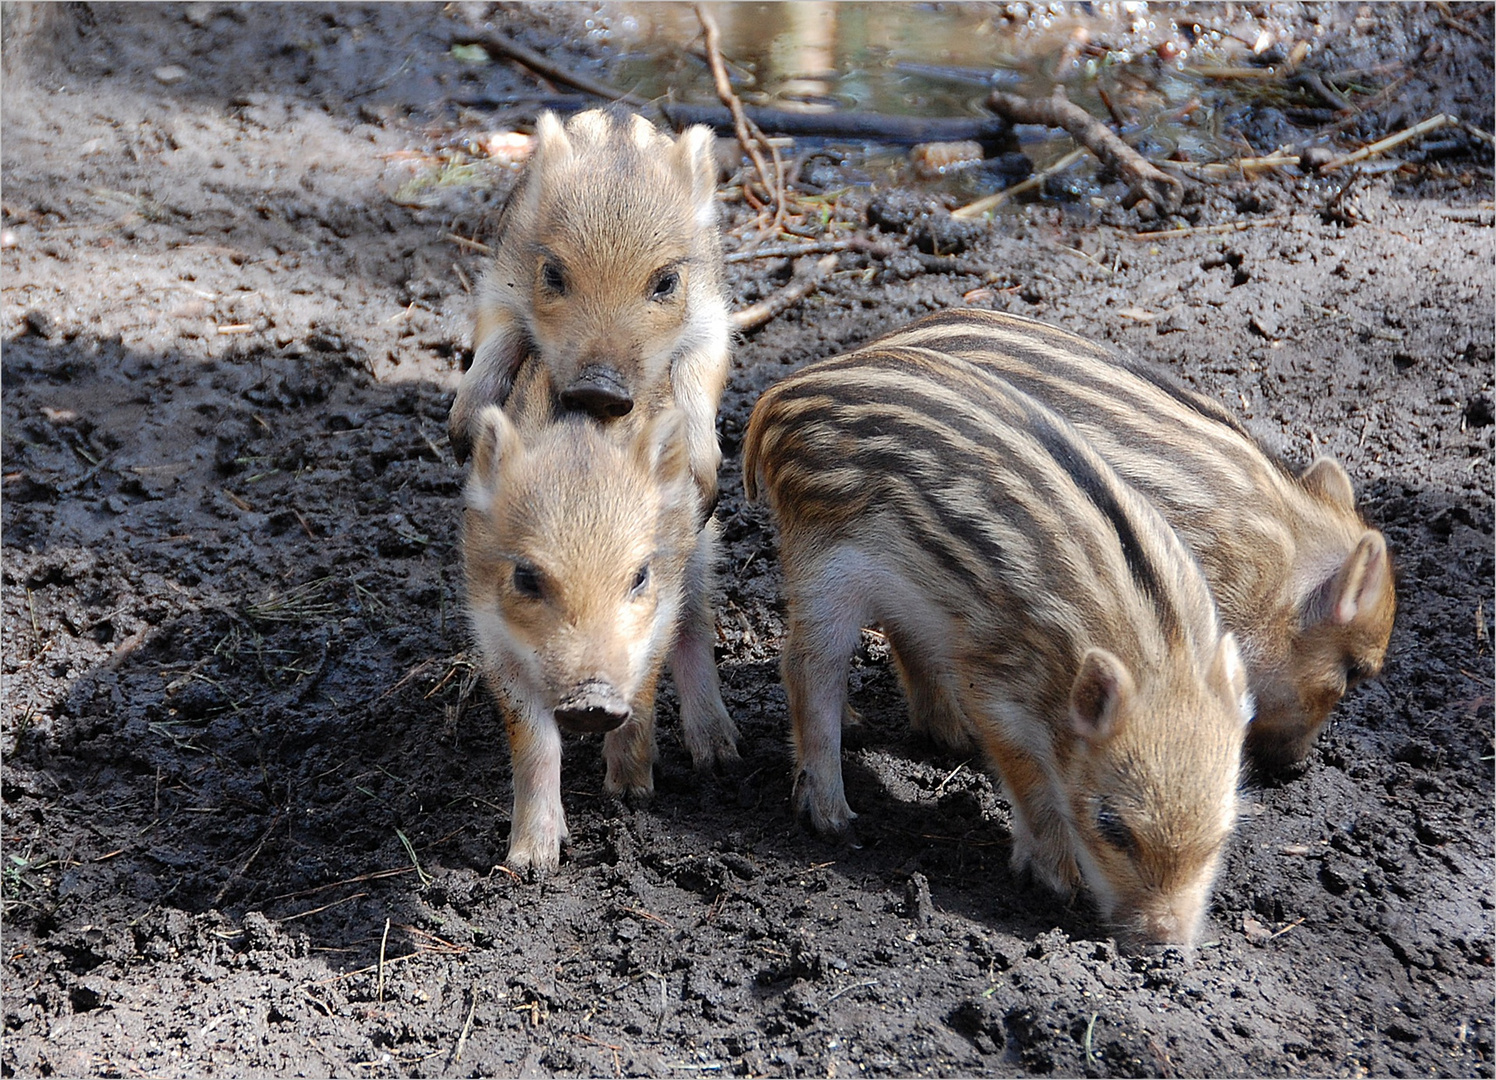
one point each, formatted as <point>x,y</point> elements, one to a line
<point>1031,598</point>
<point>1300,578</point>
<point>576,547</point>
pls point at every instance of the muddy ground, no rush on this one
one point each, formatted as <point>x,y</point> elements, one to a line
<point>244,755</point>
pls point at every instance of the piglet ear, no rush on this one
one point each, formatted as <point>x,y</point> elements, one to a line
<point>664,454</point>
<point>551,141</point>
<point>1357,587</point>
<point>1232,674</point>
<point>695,160</point>
<point>1327,480</point>
<point>496,447</point>
<point>499,349</point>
<point>1100,696</point>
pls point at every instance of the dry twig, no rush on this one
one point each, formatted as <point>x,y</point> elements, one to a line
<point>991,202</point>
<point>1144,181</point>
<point>755,315</point>
<point>1209,230</point>
<point>498,44</point>
<point>750,137</point>
<point>1391,142</point>
<point>467,1027</point>
<point>383,941</point>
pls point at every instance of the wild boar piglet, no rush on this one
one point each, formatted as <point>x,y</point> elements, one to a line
<point>604,298</point>
<point>576,551</point>
<point>1031,599</point>
<point>1299,577</point>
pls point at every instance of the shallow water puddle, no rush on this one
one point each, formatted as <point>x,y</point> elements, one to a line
<point>1154,69</point>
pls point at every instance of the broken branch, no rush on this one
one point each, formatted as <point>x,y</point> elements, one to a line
<point>1144,181</point>
<point>750,137</point>
<point>991,202</point>
<point>755,315</point>
<point>498,44</point>
<point>1381,146</point>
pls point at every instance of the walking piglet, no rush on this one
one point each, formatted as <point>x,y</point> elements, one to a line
<point>1030,597</point>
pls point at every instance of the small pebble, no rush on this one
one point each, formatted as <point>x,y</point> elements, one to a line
<point>1314,158</point>
<point>170,75</point>
<point>40,323</point>
<point>938,158</point>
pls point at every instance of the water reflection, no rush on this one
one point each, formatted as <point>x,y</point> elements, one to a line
<point>1127,60</point>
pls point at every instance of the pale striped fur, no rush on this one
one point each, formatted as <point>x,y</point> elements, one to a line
<point>577,553</point>
<point>1300,578</point>
<point>605,297</point>
<point>1033,601</point>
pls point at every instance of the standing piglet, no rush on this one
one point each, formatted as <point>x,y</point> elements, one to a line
<point>1299,576</point>
<point>1026,592</point>
<point>605,293</point>
<point>575,549</point>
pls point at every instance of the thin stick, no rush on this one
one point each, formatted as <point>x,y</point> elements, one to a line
<point>1286,929</point>
<point>1222,170</point>
<point>324,907</point>
<point>467,1026</point>
<point>791,251</point>
<point>948,778</point>
<point>1208,230</point>
<point>1144,181</point>
<point>384,940</point>
<point>849,989</point>
<point>495,42</point>
<point>373,875</point>
<point>244,867</point>
<point>471,245</point>
<point>755,315</point>
<point>1209,71</point>
<point>750,138</point>
<point>1433,123</point>
<point>991,202</point>
<point>1471,129</point>
<point>365,970</point>
<point>646,915</point>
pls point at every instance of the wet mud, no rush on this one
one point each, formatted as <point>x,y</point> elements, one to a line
<point>255,801</point>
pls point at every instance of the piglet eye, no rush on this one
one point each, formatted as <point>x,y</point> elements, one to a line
<point>641,579</point>
<point>553,277</point>
<point>665,285</point>
<point>1114,830</point>
<point>527,580</point>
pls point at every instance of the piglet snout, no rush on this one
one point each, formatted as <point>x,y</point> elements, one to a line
<point>593,707</point>
<point>599,391</point>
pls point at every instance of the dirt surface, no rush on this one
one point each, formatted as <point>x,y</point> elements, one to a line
<point>253,801</point>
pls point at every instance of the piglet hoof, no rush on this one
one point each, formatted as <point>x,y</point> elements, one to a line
<point>841,835</point>
<point>829,816</point>
<point>848,837</point>
<point>634,796</point>
<point>709,734</point>
<point>1033,870</point>
<point>732,771</point>
<point>531,865</point>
